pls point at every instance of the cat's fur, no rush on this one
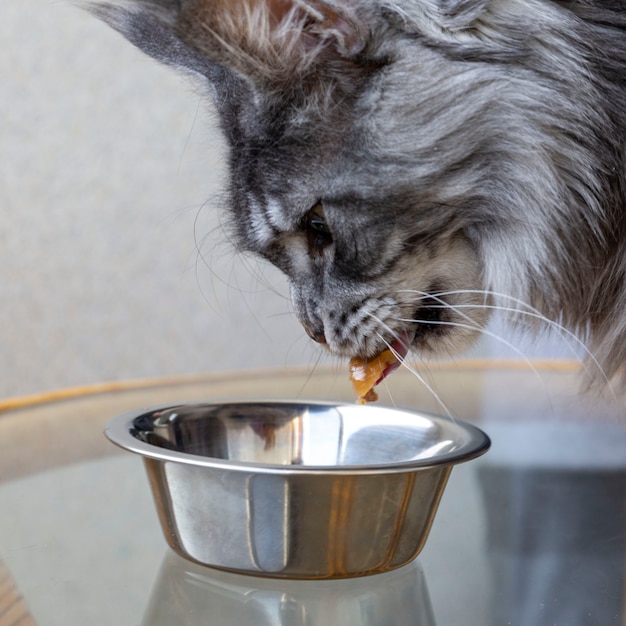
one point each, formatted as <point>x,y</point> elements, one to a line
<point>466,153</point>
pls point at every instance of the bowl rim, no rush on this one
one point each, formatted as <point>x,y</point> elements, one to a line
<point>118,432</point>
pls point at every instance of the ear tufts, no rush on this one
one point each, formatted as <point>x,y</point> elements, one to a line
<point>337,25</point>
<point>244,45</point>
<point>273,39</point>
<point>437,16</point>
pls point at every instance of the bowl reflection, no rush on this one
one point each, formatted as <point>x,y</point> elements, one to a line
<point>188,593</point>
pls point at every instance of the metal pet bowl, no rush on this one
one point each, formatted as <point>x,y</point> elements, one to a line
<point>296,489</point>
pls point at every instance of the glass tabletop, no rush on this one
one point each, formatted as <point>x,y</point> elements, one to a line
<point>531,534</point>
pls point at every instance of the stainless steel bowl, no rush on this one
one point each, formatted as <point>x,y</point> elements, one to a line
<point>296,489</point>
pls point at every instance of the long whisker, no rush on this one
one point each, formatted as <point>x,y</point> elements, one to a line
<point>393,334</point>
<point>486,332</point>
<point>313,368</point>
<point>473,325</point>
<point>420,378</point>
<point>529,311</point>
<point>201,259</point>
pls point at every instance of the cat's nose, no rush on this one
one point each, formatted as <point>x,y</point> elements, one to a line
<point>320,338</point>
<point>315,334</point>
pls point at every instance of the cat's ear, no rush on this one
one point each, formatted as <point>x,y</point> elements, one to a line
<point>253,37</point>
<point>250,43</point>
<point>440,16</point>
<point>335,23</point>
<point>273,40</point>
<point>151,26</point>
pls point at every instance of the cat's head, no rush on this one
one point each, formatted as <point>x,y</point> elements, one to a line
<point>404,163</point>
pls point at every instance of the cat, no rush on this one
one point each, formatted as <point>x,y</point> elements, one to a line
<point>412,165</point>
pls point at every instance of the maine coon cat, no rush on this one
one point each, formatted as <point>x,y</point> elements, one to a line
<point>411,164</point>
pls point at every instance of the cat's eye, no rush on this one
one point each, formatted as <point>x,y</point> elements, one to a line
<point>316,227</point>
<point>316,219</point>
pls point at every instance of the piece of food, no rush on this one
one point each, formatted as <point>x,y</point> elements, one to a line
<point>366,374</point>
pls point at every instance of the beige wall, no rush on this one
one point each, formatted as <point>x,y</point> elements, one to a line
<point>108,166</point>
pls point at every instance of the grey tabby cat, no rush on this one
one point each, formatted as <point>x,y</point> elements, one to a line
<point>412,164</point>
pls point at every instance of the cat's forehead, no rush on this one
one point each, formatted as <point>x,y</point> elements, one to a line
<point>284,168</point>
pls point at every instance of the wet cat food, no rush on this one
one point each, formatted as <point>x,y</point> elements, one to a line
<point>365,375</point>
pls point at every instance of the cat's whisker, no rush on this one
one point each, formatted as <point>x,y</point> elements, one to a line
<point>256,270</point>
<point>420,378</point>
<point>389,393</point>
<point>313,367</point>
<point>484,331</point>
<point>231,282</point>
<point>282,314</point>
<point>527,311</point>
<point>384,325</point>
<point>473,325</point>
<point>402,360</point>
<point>470,325</point>
<point>201,260</point>
<point>223,242</point>
<point>252,265</point>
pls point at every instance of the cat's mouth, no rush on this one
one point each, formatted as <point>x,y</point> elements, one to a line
<point>399,348</point>
<point>429,321</point>
<point>426,322</point>
<point>365,374</point>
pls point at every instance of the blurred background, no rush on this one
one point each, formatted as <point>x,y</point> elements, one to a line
<point>113,262</point>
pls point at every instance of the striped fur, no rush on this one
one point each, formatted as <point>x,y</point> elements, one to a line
<point>466,153</point>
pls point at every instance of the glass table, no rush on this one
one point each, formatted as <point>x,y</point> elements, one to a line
<point>531,534</point>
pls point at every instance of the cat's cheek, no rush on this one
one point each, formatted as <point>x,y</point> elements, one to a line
<point>289,254</point>
<point>299,260</point>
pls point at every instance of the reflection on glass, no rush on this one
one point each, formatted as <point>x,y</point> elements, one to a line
<point>556,544</point>
<point>187,593</point>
